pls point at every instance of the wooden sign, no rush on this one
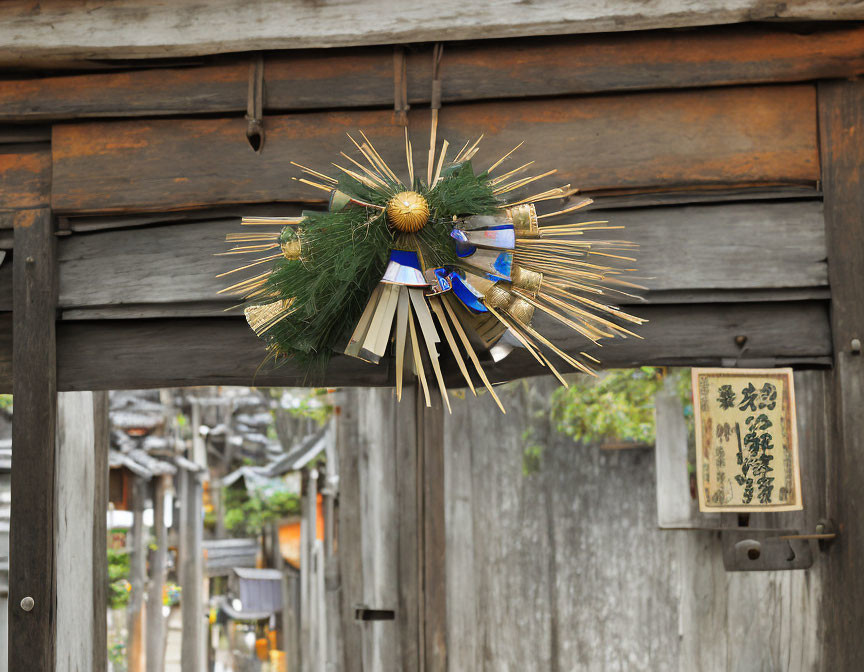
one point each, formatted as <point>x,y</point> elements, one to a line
<point>746,440</point>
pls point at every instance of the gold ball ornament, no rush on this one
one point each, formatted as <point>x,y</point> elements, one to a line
<point>408,212</point>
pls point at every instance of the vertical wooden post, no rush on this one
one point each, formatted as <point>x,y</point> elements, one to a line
<point>80,544</point>
<point>430,441</point>
<point>101,443</point>
<point>158,561</point>
<point>32,632</point>
<point>308,528</point>
<point>191,573</point>
<point>409,507</point>
<point>138,578</point>
<point>350,527</point>
<point>841,127</point>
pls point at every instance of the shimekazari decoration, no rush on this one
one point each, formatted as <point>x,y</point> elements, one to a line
<point>746,440</point>
<point>404,266</point>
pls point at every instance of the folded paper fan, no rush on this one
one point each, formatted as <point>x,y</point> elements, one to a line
<point>398,268</point>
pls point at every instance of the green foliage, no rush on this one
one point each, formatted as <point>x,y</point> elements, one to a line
<point>619,405</point>
<point>461,193</point>
<point>532,459</point>
<point>118,578</point>
<point>247,515</point>
<point>345,253</point>
<point>6,402</point>
<point>117,656</point>
<point>314,405</point>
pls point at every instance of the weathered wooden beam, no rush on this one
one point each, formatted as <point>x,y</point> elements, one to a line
<point>64,32</point>
<point>80,546</point>
<point>841,118</point>
<point>754,136</point>
<point>763,334</point>
<point>17,134</point>
<point>527,67</point>
<point>130,354</point>
<point>116,354</point>
<point>727,248</point>
<point>25,180</point>
<point>32,565</point>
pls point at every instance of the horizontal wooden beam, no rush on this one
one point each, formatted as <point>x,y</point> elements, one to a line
<point>756,334</point>
<point>525,67</point>
<point>715,139</point>
<point>61,31</point>
<point>25,179</point>
<point>123,354</point>
<point>171,270</point>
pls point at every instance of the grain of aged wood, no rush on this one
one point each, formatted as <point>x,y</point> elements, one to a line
<point>728,247</point>
<point>350,528</point>
<point>680,335</point>
<point>559,564</point>
<point>380,514</point>
<point>158,564</point>
<point>101,441</point>
<point>32,568</point>
<point>528,67</point>
<point>25,180</point>
<point>753,136</point>
<point>674,503</point>
<point>63,32</point>
<point>131,354</point>
<point>409,507</point>
<point>841,115</point>
<point>224,352</point>
<point>136,609</point>
<point>81,563</point>
<point>430,426</point>
<point>191,572</point>
<point>115,354</point>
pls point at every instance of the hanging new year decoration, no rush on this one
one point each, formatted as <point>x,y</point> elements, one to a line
<point>403,266</point>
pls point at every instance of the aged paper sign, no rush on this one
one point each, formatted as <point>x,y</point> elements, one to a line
<point>746,440</point>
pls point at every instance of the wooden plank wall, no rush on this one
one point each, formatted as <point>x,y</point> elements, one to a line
<point>60,34</point>
<point>528,67</point>
<point>739,136</point>
<point>709,176</point>
<point>562,567</point>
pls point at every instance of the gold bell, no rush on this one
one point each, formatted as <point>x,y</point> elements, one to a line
<point>291,249</point>
<point>408,212</point>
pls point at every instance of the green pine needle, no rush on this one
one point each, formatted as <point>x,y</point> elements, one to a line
<point>345,254</point>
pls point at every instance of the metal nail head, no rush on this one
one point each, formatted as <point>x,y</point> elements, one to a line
<point>855,346</point>
<point>28,603</point>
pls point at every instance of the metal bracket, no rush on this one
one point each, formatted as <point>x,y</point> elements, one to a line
<point>748,550</point>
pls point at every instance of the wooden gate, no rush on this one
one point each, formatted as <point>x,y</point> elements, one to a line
<point>733,155</point>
